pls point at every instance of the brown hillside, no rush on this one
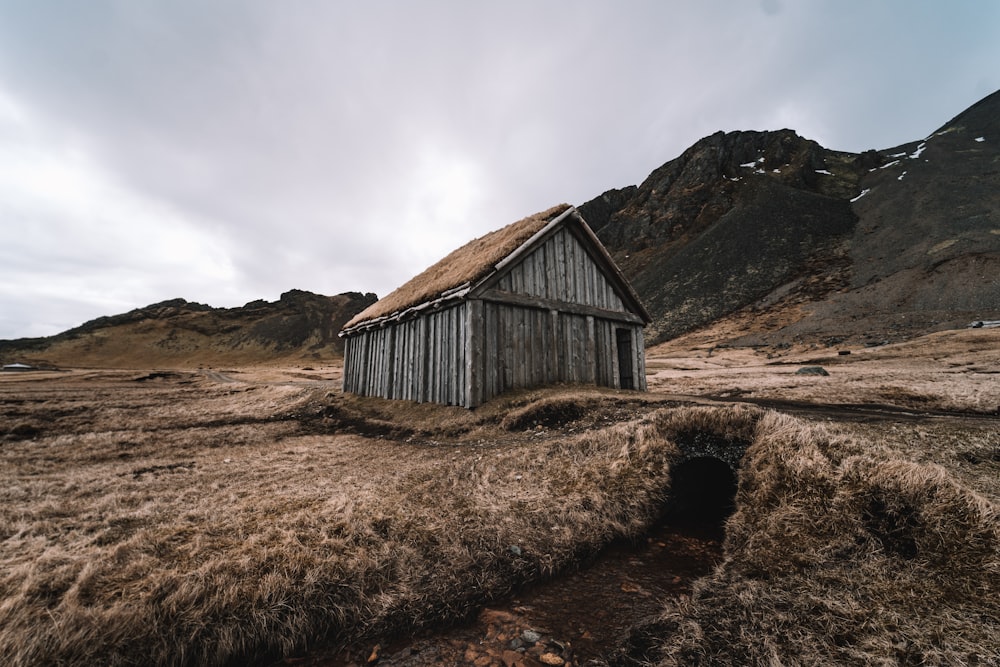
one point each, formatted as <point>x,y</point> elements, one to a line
<point>299,326</point>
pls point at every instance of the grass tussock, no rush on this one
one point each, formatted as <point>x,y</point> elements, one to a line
<point>188,522</point>
<point>236,538</point>
<point>869,560</point>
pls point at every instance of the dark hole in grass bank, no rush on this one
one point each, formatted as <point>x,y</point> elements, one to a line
<point>702,493</point>
<point>894,525</point>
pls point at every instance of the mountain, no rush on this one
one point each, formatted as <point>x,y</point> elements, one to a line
<point>788,241</point>
<point>747,238</point>
<point>299,326</point>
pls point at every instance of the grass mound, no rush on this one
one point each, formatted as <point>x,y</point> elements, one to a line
<point>215,524</point>
<point>872,559</point>
<point>241,542</point>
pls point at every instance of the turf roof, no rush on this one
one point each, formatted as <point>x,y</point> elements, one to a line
<point>468,264</point>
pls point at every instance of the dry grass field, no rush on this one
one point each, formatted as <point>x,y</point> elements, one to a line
<point>182,517</point>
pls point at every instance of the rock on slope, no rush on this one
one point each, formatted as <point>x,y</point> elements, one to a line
<point>300,325</point>
<point>808,243</point>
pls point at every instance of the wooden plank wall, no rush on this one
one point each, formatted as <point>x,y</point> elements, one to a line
<point>528,347</point>
<point>433,358</point>
<point>562,270</point>
<point>421,359</point>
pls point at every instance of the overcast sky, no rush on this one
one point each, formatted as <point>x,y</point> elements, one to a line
<point>230,150</point>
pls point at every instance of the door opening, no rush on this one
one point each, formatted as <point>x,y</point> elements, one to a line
<point>624,339</point>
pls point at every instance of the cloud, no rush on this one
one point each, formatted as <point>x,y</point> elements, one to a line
<point>232,150</point>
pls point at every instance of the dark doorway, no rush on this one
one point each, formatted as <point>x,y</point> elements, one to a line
<point>702,492</point>
<point>624,339</point>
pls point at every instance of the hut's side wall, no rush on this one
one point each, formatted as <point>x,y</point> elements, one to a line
<point>421,359</point>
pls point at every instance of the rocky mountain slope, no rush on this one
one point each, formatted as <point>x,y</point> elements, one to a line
<point>751,238</point>
<point>802,243</point>
<point>300,325</point>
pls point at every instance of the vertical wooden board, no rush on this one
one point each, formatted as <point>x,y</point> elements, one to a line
<point>531,348</point>
<point>359,345</point>
<point>608,351</point>
<point>527,269</point>
<point>402,361</point>
<point>640,347</point>
<point>371,361</point>
<point>419,358</point>
<point>460,356</point>
<point>528,347</point>
<point>445,365</point>
<point>454,359</point>
<point>346,385</point>
<point>560,269</point>
<point>591,361</point>
<point>376,362</point>
<point>414,326</point>
<point>595,280</point>
<point>444,377</point>
<point>473,353</point>
<point>384,362</point>
<point>550,269</point>
<point>541,278</point>
<point>495,359</point>
<point>402,372</point>
<point>362,361</point>
<point>567,343</point>
<point>434,369</point>
<point>411,361</point>
<point>380,378</point>
<point>369,364</point>
<point>414,359</point>
<point>572,265</point>
<point>508,347</point>
<point>554,345</point>
<point>517,346</point>
<point>589,281</point>
<point>501,350</point>
<point>489,350</point>
<point>513,343</point>
<point>373,376</point>
<point>390,359</point>
<point>615,370</point>
<point>539,318</point>
<point>599,367</point>
<point>580,343</point>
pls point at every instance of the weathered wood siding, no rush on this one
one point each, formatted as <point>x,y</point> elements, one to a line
<point>528,347</point>
<point>420,359</point>
<point>561,269</point>
<point>551,316</point>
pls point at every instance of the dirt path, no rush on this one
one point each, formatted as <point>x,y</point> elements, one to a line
<point>575,618</point>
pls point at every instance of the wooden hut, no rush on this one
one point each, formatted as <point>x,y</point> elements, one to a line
<point>537,302</point>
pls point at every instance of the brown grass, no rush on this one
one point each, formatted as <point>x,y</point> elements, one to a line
<point>189,522</point>
<point>872,559</point>
<point>181,518</point>
<point>954,370</point>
